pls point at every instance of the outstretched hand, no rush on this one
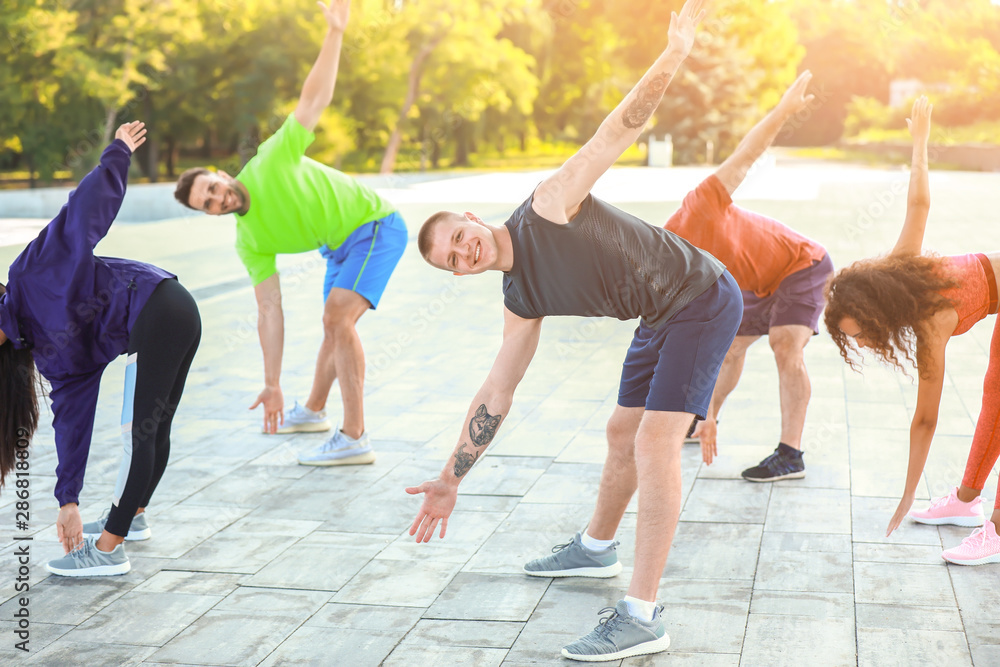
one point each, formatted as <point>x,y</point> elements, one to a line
<point>133,134</point>
<point>707,433</point>
<point>336,13</point>
<point>683,26</point>
<point>439,501</point>
<point>795,98</point>
<point>919,122</point>
<point>274,408</point>
<point>901,511</point>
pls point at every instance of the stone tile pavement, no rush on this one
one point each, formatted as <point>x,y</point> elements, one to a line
<point>255,560</point>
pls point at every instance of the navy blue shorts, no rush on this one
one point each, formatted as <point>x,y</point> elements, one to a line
<point>366,259</point>
<point>674,368</point>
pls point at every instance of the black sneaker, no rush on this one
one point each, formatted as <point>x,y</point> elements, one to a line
<point>784,463</point>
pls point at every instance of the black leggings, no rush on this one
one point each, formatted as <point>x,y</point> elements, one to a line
<point>161,347</point>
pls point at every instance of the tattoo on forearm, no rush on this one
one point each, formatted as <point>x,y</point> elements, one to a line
<point>647,98</point>
<point>483,426</point>
<point>464,461</point>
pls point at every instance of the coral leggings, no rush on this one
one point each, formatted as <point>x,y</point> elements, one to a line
<point>986,441</point>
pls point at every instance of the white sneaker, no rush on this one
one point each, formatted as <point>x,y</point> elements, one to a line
<point>339,450</point>
<point>301,419</point>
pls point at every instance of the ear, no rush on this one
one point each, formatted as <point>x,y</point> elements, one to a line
<point>474,218</point>
<point>222,173</point>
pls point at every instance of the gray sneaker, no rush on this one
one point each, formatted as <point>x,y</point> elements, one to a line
<point>87,561</point>
<point>137,531</point>
<point>575,560</point>
<point>339,450</point>
<point>301,419</point>
<point>618,636</point>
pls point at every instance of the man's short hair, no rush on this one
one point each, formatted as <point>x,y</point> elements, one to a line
<point>182,192</point>
<point>426,236</point>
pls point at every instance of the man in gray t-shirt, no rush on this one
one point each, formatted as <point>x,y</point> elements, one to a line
<point>564,252</point>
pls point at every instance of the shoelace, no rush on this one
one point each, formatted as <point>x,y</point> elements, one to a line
<point>977,533</point>
<point>559,547</point>
<point>607,624</point>
<point>939,502</point>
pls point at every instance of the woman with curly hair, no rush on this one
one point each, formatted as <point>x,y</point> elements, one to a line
<point>909,305</point>
<point>65,314</point>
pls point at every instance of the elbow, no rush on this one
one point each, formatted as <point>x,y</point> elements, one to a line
<point>924,424</point>
<point>919,203</point>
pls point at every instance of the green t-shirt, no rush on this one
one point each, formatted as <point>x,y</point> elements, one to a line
<point>297,204</point>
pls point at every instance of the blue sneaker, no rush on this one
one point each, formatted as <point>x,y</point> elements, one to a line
<point>784,463</point>
<point>301,419</point>
<point>618,636</point>
<point>339,450</point>
<point>137,531</point>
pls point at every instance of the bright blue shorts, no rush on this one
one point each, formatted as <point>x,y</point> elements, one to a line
<point>674,368</point>
<point>366,259</point>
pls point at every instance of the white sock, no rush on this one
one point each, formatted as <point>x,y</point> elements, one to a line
<point>594,545</point>
<point>640,608</point>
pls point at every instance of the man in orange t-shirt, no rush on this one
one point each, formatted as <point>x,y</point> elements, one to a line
<point>782,275</point>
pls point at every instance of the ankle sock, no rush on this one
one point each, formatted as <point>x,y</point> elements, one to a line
<point>787,451</point>
<point>640,609</point>
<point>591,544</point>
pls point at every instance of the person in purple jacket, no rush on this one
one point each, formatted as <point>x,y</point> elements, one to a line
<point>69,313</point>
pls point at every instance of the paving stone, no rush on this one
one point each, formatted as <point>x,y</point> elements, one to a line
<point>319,561</point>
<point>695,553</point>
<point>903,617</point>
<point>393,620</point>
<point>228,638</point>
<point>803,604</point>
<point>40,635</point>
<point>483,634</point>
<point>407,655</point>
<point>884,646</point>
<point>62,653</point>
<point>690,606</point>
<point>393,582</point>
<point>797,640</point>
<point>488,597</point>
<point>130,618</point>
<point>320,647</point>
<point>726,501</point>
<point>903,584</point>
<point>808,510</point>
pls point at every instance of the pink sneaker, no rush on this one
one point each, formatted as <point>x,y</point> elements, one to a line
<point>950,510</point>
<point>983,546</point>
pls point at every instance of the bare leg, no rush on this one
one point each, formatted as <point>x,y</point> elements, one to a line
<point>967,494</point>
<point>618,478</point>
<point>343,310</point>
<point>788,343</point>
<point>658,464</point>
<point>326,373</point>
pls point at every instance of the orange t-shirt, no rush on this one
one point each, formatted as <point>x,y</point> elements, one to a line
<point>759,251</point>
<point>971,296</point>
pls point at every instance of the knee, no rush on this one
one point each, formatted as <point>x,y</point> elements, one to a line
<point>788,353</point>
<point>621,436</point>
<point>337,322</point>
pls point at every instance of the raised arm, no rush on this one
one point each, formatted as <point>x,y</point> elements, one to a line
<point>918,200</point>
<point>317,91</point>
<point>487,411</point>
<point>732,172</point>
<point>94,204</point>
<point>271,330</point>
<point>559,197</point>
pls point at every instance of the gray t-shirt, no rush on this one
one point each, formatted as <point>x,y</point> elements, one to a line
<point>603,263</point>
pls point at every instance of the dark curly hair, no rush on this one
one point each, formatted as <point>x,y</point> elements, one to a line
<point>891,299</point>
<point>19,387</point>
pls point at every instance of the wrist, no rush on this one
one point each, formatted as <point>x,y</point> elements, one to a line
<point>68,505</point>
<point>446,477</point>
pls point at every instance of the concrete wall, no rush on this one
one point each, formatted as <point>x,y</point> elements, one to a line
<point>143,203</point>
<point>971,157</point>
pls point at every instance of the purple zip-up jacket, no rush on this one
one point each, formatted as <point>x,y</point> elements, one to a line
<point>75,310</point>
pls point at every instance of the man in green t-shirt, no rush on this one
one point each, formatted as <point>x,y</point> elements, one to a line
<point>286,203</point>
